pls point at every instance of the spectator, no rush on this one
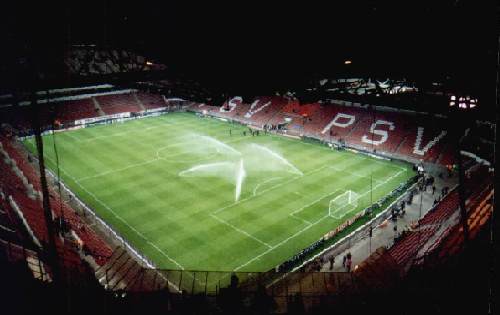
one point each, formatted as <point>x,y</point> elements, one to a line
<point>348,262</point>
<point>332,261</point>
<point>393,215</point>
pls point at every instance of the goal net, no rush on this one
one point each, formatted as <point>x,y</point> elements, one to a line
<point>343,204</point>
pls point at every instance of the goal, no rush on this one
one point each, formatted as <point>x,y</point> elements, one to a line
<point>343,204</point>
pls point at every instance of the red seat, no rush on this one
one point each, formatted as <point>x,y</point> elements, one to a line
<point>118,103</point>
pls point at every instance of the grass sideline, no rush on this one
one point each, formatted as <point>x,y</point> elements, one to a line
<point>129,173</point>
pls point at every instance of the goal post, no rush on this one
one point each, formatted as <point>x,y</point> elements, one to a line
<point>343,204</point>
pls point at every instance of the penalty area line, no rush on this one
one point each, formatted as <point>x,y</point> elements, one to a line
<point>292,214</point>
<point>352,174</point>
<point>240,230</point>
<point>308,227</point>
<point>268,189</point>
<point>263,183</point>
<point>281,243</point>
<point>381,183</point>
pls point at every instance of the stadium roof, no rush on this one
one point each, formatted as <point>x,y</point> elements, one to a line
<point>232,44</point>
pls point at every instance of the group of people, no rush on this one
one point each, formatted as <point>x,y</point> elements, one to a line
<point>444,192</point>
<point>428,181</point>
<point>398,212</point>
<point>347,262</point>
<point>320,261</point>
<point>250,132</point>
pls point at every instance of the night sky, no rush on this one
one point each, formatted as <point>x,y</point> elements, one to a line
<point>232,43</point>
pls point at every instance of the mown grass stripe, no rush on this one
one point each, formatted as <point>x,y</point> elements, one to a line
<point>175,213</point>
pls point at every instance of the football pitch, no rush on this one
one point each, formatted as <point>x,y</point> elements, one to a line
<point>196,194</point>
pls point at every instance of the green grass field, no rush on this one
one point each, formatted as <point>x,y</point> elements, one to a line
<point>169,185</point>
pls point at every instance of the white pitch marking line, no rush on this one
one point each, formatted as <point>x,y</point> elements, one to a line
<point>158,157</point>
<point>343,213</point>
<point>240,230</point>
<point>117,216</point>
<point>281,243</point>
<point>360,157</point>
<point>310,204</point>
<point>117,170</point>
<point>292,215</point>
<point>309,226</point>
<point>315,201</point>
<point>374,187</point>
<point>388,164</point>
<point>353,174</point>
<point>118,134</point>
<point>164,254</point>
<point>184,144</point>
<point>269,189</point>
<point>223,208</point>
<point>71,136</point>
<point>262,183</point>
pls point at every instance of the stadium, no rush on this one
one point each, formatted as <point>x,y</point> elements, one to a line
<point>135,178</point>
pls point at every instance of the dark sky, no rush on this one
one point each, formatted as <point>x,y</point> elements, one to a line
<point>235,43</point>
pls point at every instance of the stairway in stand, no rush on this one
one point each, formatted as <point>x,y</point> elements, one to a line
<point>98,107</point>
<point>139,102</point>
<point>399,145</point>
<point>124,272</point>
